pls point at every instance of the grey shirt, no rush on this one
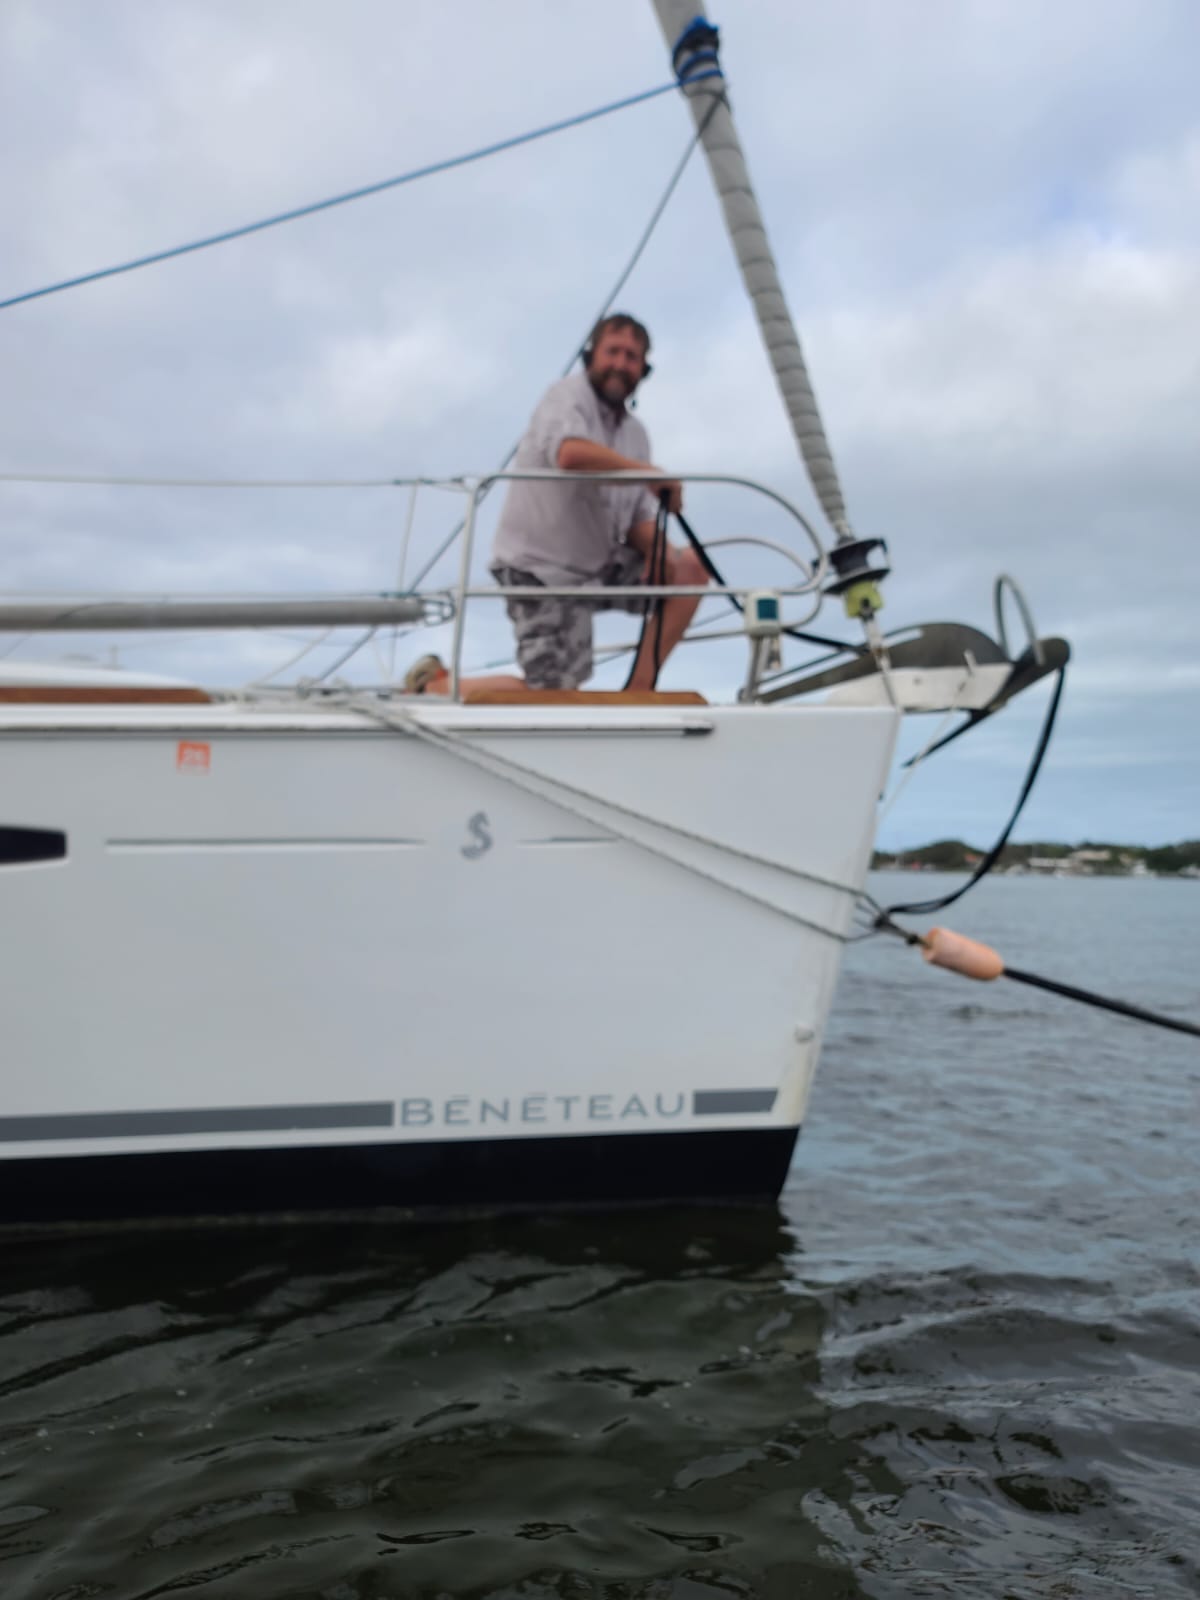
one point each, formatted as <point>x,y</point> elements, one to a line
<point>566,533</point>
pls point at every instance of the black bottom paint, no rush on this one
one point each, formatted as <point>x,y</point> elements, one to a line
<point>730,1164</point>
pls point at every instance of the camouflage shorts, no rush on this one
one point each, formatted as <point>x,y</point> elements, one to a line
<point>554,636</point>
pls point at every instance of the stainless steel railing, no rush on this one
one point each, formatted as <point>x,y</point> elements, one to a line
<point>816,570</point>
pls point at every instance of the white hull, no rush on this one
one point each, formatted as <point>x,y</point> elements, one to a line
<point>294,930</point>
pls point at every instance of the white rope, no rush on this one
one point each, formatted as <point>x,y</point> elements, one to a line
<point>593,810</point>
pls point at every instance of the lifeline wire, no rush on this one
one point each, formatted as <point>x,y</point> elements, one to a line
<point>342,199</point>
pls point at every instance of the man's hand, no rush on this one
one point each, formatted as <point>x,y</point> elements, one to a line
<point>673,489</point>
<point>585,455</point>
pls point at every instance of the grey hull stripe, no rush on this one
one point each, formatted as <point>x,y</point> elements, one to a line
<point>716,1102</point>
<point>126,846</point>
<point>232,1119</point>
<point>572,838</point>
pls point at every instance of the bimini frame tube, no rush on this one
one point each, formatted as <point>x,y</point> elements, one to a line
<point>99,614</point>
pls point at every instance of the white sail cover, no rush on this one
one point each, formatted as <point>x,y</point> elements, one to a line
<point>700,76</point>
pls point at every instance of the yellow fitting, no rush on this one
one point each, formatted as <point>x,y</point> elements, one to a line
<point>862,600</point>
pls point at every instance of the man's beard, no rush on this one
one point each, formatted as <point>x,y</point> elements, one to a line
<point>613,388</point>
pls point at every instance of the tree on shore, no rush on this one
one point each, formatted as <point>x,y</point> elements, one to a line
<point>953,855</point>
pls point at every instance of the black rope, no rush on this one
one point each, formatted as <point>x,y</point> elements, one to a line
<point>883,923</point>
<point>842,646</point>
<point>884,915</point>
<point>925,908</point>
<point>658,576</point>
<point>922,908</point>
<point>1104,1002</point>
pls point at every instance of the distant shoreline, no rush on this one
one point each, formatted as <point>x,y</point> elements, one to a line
<point>1044,860</point>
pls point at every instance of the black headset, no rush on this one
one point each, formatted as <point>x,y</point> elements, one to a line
<point>589,349</point>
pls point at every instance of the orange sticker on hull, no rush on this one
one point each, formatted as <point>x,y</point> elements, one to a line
<point>192,755</point>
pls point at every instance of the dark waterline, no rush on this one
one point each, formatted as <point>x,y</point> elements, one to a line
<point>959,1358</point>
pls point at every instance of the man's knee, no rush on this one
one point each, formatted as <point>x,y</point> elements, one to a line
<point>687,569</point>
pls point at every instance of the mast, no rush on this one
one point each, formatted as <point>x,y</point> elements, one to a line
<point>693,43</point>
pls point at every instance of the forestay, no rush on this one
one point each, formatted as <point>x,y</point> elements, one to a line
<point>692,41</point>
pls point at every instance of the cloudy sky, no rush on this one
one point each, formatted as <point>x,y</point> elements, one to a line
<point>987,220</point>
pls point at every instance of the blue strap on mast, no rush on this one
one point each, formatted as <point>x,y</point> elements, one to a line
<point>696,53</point>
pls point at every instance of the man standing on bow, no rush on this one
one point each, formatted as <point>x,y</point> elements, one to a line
<point>587,535</point>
